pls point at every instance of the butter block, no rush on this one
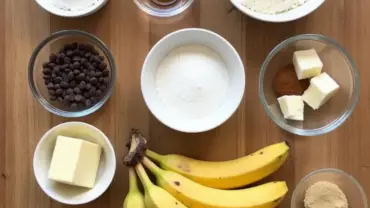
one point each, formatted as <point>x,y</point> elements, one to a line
<point>307,64</point>
<point>292,107</point>
<point>75,162</point>
<point>321,89</point>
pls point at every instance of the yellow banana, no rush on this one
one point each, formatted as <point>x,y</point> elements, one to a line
<point>134,198</point>
<point>195,195</point>
<point>156,197</point>
<point>226,174</point>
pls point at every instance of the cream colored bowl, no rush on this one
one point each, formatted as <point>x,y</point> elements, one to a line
<point>291,15</point>
<point>69,194</point>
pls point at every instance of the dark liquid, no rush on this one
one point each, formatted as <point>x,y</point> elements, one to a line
<point>164,2</point>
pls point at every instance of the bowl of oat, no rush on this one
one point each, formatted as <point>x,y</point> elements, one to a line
<point>277,10</point>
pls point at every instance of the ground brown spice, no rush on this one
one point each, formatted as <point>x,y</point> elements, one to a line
<point>286,82</point>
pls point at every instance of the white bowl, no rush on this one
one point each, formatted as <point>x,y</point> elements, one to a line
<point>68,194</point>
<point>294,14</point>
<point>71,8</point>
<point>185,37</point>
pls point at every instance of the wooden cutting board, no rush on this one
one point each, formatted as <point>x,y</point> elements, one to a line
<point>130,35</point>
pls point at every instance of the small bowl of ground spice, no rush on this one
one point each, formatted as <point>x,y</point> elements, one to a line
<point>309,85</point>
<point>329,188</point>
<point>72,73</point>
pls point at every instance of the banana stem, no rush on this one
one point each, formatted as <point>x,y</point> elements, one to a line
<point>132,180</point>
<point>151,166</point>
<point>147,183</point>
<point>154,156</point>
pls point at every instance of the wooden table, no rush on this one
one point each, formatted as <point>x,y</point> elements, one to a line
<point>130,35</point>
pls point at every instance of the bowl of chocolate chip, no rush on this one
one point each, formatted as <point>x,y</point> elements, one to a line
<point>72,73</point>
<point>309,85</point>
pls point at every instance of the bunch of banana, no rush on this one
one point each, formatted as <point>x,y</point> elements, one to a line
<point>186,182</point>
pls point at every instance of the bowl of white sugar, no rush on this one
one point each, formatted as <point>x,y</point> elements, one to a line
<point>193,80</point>
<point>277,10</point>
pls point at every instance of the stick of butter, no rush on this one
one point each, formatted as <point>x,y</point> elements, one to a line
<point>292,107</point>
<point>321,89</point>
<point>307,64</point>
<point>75,162</point>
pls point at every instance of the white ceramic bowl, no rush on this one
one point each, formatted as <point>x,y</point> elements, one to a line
<point>294,14</point>
<point>71,8</point>
<point>68,194</point>
<point>229,55</point>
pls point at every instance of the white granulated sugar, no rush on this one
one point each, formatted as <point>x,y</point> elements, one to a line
<point>271,6</point>
<point>192,81</point>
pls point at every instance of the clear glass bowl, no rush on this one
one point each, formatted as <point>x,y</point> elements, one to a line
<point>53,44</point>
<point>163,8</point>
<point>337,63</point>
<point>350,186</point>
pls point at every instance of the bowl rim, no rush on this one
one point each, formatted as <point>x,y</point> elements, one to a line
<point>169,14</point>
<point>44,138</point>
<point>341,118</point>
<point>206,127</point>
<point>278,18</point>
<point>44,102</point>
<point>71,14</point>
<point>332,170</point>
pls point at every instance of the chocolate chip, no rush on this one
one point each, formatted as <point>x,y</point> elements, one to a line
<point>76,65</point>
<point>46,71</point>
<point>50,86</point>
<point>81,76</point>
<point>67,60</point>
<point>103,88</point>
<point>99,93</point>
<point>64,84</point>
<point>76,72</point>
<point>87,102</point>
<point>58,91</point>
<point>106,80</point>
<point>78,98</point>
<point>74,105</point>
<point>98,74</point>
<point>106,73</point>
<point>97,59</point>
<point>45,64</point>
<point>53,57</point>
<point>102,66</point>
<point>57,80</point>
<point>88,86</point>
<point>57,86</point>
<point>93,81</point>
<point>71,76</point>
<point>77,90</point>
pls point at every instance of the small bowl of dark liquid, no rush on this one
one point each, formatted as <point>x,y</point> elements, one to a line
<point>163,8</point>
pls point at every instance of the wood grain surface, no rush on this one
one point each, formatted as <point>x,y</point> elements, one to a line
<point>130,35</point>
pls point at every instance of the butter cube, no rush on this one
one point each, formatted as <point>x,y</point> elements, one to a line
<point>321,89</point>
<point>307,64</point>
<point>292,107</point>
<point>75,162</point>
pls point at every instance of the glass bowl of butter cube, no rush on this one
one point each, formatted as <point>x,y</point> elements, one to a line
<point>74,163</point>
<point>309,85</point>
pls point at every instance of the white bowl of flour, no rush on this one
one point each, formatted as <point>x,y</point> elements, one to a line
<point>193,80</point>
<point>71,8</point>
<point>277,10</point>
